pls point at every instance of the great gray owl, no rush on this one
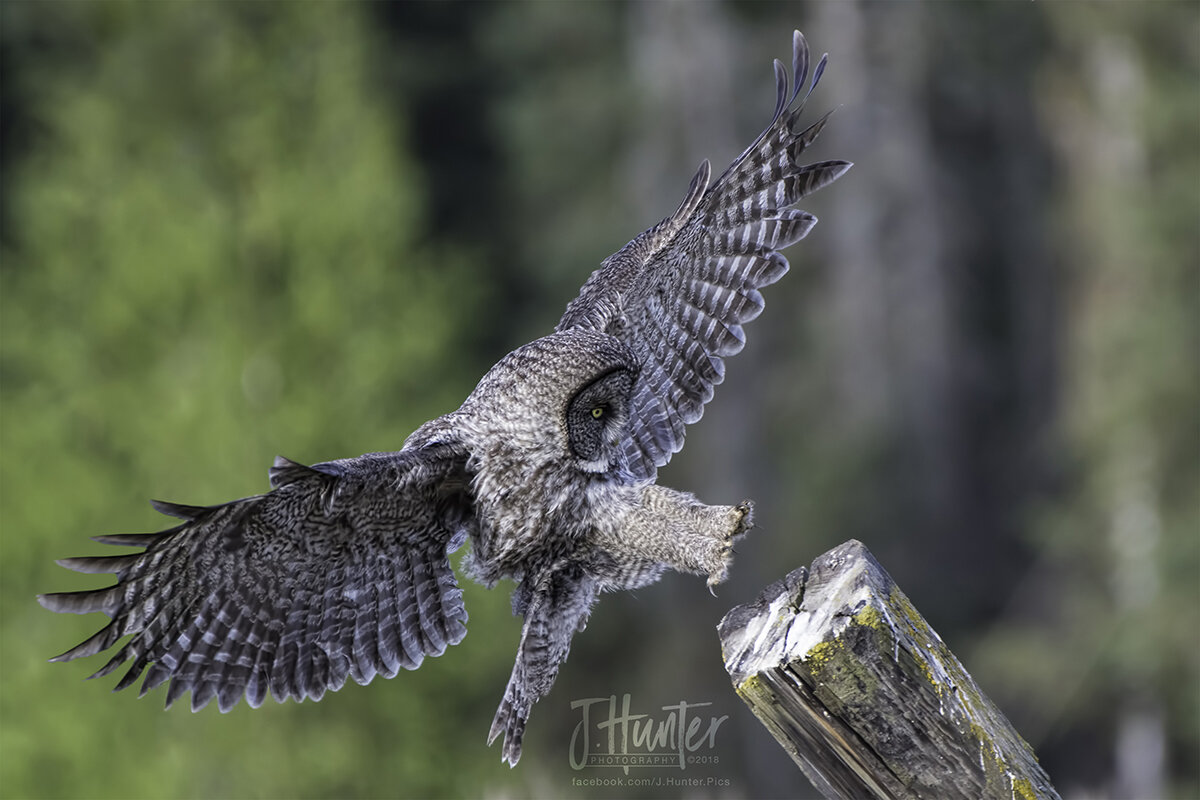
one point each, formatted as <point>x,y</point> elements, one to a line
<point>548,468</point>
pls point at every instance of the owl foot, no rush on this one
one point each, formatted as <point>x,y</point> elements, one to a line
<point>743,513</point>
<point>746,522</point>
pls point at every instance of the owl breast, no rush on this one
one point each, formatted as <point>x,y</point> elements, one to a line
<point>529,515</point>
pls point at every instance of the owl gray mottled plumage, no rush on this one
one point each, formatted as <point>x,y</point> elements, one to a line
<point>548,469</point>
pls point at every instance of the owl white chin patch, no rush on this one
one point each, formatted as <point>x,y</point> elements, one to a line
<point>598,465</point>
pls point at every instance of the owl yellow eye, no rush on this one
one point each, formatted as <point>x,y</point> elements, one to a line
<point>597,412</point>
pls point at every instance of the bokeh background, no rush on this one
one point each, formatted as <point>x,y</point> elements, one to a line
<point>231,230</point>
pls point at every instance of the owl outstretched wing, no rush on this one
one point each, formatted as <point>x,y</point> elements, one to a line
<point>679,293</point>
<point>555,610</point>
<point>341,570</point>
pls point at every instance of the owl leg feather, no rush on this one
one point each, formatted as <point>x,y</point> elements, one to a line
<point>672,528</point>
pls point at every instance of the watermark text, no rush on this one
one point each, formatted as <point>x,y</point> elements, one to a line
<point>611,736</point>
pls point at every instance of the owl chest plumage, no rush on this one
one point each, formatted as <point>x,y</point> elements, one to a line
<point>532,511</point>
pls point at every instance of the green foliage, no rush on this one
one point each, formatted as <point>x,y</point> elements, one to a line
<point>214,259</point>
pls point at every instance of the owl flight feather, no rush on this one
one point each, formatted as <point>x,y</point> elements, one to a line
<point>548,469</point>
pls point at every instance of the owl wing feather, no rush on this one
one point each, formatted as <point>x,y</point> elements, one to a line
<point>680,293</point>
<point>341,570</point>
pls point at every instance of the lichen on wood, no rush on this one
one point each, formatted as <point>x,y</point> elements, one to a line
<point>864,695</point>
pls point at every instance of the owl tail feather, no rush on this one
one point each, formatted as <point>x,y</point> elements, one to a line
<point>558,605</point>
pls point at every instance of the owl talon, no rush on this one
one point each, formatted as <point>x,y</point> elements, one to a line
<point>746,522</point>
<point>718,575</point>
<point>721,572</point>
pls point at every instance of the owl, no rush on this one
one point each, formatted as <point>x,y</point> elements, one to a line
<point>548,469</point>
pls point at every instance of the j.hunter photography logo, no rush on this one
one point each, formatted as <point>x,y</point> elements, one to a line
<point>675,736</point>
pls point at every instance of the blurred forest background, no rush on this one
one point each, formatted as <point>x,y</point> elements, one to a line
<point>231,230</point>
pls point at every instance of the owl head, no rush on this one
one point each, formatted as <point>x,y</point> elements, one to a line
<point>565,396</point>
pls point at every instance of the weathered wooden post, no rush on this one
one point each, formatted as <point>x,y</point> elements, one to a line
<point>865,696</point>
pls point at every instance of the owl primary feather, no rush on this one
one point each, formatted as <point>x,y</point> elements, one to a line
<point>548,469</point>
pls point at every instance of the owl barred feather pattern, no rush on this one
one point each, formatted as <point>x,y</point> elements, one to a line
<point>699,271</point>
<point>225,605</point>
<point>548,468</point>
